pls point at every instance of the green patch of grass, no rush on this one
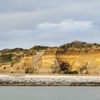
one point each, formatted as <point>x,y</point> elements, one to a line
<point>6,57</point>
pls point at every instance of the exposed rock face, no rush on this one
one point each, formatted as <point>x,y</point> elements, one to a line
<point>77,57</point>
<point>24,66</point>
<point>49,62</point>
<point>37,56</point>
<point>5,68</point>
<point>82,63</point>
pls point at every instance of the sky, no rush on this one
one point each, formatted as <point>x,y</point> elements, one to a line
<point>26,23</point>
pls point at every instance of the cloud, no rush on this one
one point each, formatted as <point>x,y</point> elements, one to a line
<point>25,23</point>
<point>67,25</point>
<point>24,14</point>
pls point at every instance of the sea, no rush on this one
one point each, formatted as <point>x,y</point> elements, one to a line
<point>49,93</point>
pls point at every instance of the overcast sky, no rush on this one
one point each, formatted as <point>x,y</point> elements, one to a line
<point>25,23</point>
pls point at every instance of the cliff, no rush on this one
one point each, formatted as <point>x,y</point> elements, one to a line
<point>72,58</point>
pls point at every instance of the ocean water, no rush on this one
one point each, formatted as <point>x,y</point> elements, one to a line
<point>49,93</point>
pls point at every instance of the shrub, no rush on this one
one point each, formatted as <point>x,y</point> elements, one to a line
<point>70,72</point>
<point>6,57</point>
<point>39,47</point>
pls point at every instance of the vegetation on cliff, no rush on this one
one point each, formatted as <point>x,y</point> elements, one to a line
<point>80,46</point>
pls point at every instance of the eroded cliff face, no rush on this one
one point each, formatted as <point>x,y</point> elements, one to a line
<point>48,63</point>
<point>77,57</point>
<point>24,66</point>
<point>83,63</point>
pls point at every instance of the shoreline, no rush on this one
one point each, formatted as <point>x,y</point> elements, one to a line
<point>49,80</point>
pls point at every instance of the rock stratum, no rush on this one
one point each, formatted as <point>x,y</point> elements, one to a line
<point>71,58</point>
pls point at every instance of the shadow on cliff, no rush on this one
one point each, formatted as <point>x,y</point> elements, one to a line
<point>66,69</point>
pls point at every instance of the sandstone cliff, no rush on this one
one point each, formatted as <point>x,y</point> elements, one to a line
<point>72,58</point>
